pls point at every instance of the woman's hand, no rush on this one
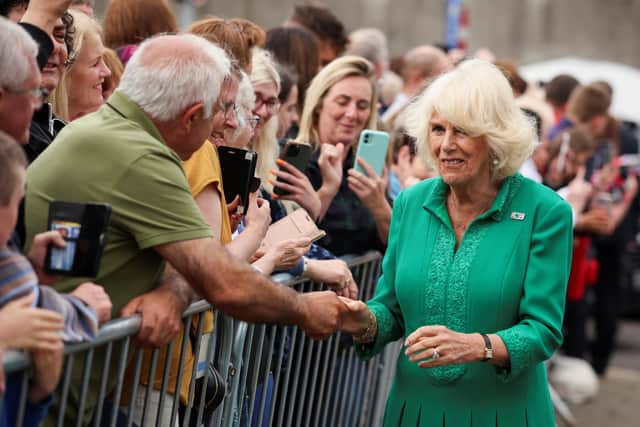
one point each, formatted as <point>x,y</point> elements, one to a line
<point>335,273</point>
<point>258,217</point>
<point>234,217</point>
<point>298,187</point>
<point>28,328</point>
<point>370,189</point>
<point>330,163</point>
<point>451,347</point>
<point>282,256</point>
<point>95,297</point>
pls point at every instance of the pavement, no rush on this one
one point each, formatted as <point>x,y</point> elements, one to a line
<point>618,401</point>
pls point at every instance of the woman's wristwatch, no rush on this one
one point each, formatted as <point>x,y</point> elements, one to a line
<point>488,349</point>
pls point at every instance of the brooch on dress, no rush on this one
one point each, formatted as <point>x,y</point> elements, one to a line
<point>518,216</point>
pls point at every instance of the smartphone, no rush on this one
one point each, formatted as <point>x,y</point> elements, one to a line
<point>298,154</point>
<point>372,148</point>
<point>238,169</point>
<point>84,227</point>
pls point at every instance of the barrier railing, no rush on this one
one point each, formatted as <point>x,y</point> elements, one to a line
<point>274,375</point>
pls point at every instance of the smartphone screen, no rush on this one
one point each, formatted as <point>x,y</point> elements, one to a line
<point>84,227</point>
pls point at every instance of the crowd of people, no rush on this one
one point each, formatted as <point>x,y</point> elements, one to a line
<point>497,201</point>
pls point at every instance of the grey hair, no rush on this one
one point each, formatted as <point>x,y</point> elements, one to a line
<point>16,47</point>
<point>165,85</point>
<point>371,44</point>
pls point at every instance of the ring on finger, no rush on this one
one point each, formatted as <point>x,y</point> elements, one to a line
<point>435,355</point>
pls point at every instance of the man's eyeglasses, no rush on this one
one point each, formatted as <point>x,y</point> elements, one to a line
<point>228,108</point>
<point>38,95</point>
<point>272,104</point>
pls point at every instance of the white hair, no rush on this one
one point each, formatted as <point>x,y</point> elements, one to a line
<point>477,98</point>
<point>166,80</point>
<point>245,100</point>
<point>16,47</point>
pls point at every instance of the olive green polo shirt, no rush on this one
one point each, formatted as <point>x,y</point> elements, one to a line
<point>117,156</point>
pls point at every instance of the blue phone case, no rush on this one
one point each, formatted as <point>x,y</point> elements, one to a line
<point>372,148</point>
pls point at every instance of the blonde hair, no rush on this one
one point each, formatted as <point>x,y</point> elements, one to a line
<point>266,142</point>
<point>83,25</point>
<point>477,98</point>
<point>338,70</point>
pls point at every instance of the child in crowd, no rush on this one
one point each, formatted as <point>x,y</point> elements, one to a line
<point>35,318</point>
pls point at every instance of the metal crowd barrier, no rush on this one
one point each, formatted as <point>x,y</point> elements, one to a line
<point>275,375</point>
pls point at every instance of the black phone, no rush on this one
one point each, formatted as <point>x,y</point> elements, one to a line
<point>238,168</point>
<point>84,228</point>
<point>298,154</point>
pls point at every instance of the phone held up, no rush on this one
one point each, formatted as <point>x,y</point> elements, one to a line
<point>372,148</point>
<point>297,154</point>
<point>84,227</point>
<point>238,169</point>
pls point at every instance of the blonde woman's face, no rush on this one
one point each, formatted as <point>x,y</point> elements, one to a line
<point>344,111</point>
<point>267,103</point>
<point>460,158</point>
<point>87,75</point>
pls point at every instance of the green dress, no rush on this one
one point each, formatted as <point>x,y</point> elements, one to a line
<point>508,277</point>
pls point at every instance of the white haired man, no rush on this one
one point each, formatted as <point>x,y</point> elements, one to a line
<point>129,154</point>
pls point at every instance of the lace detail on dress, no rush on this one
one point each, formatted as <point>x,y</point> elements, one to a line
<point>518,348</point>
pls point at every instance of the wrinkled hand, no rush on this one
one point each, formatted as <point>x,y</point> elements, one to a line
<point>453,347</point>
<point>95,297</point>
<point>161,311</point>
<point>336,274</point>
<point>322,313</point>
<point>330,163</point>
<point>234,216</point>
<point>287,253</point>
<point>47,365</point>
<point>258,215</point>
<point>355,319</point>
<point>298,187</point>
<point>370,189</point>
<point>29,328</point>
<point>38,252</point>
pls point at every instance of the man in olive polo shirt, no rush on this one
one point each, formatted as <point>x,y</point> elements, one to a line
<point>128,154</point>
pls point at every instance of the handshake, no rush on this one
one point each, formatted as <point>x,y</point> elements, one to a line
<point>324,313</point>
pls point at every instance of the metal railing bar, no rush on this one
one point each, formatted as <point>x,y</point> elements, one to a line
<point>122,366</point>
<point>134,385</point>
<point>86,376</point>
<point>97,413</point>
<point>186,324</point>
<point>68,368</point>
<point>194,370</point>
<point>151,381</point>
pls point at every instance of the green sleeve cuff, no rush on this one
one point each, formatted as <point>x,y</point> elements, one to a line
<point>519,353</point>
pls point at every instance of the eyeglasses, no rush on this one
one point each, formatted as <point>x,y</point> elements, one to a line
<point>227,108</point>
<point>253,121</point>
<point>272,104</point>
<point>38,95</point>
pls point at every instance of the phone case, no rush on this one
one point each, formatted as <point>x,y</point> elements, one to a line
<point>84,228</point>
<point>298,154</point>
<point>372,148</point>
<point>238,168</point>
<point>295,225</point>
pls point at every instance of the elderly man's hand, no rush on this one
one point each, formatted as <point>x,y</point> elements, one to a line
<point>161,311</point>
<point>322,314</point>
<point>95,297</point>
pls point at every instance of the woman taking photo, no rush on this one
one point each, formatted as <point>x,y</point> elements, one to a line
<point>475,275</point>
<point>353,210</point>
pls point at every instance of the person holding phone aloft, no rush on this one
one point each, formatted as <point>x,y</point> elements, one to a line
<point>339,105</point>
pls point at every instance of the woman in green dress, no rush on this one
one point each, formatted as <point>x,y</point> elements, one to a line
<point>475,274</point>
